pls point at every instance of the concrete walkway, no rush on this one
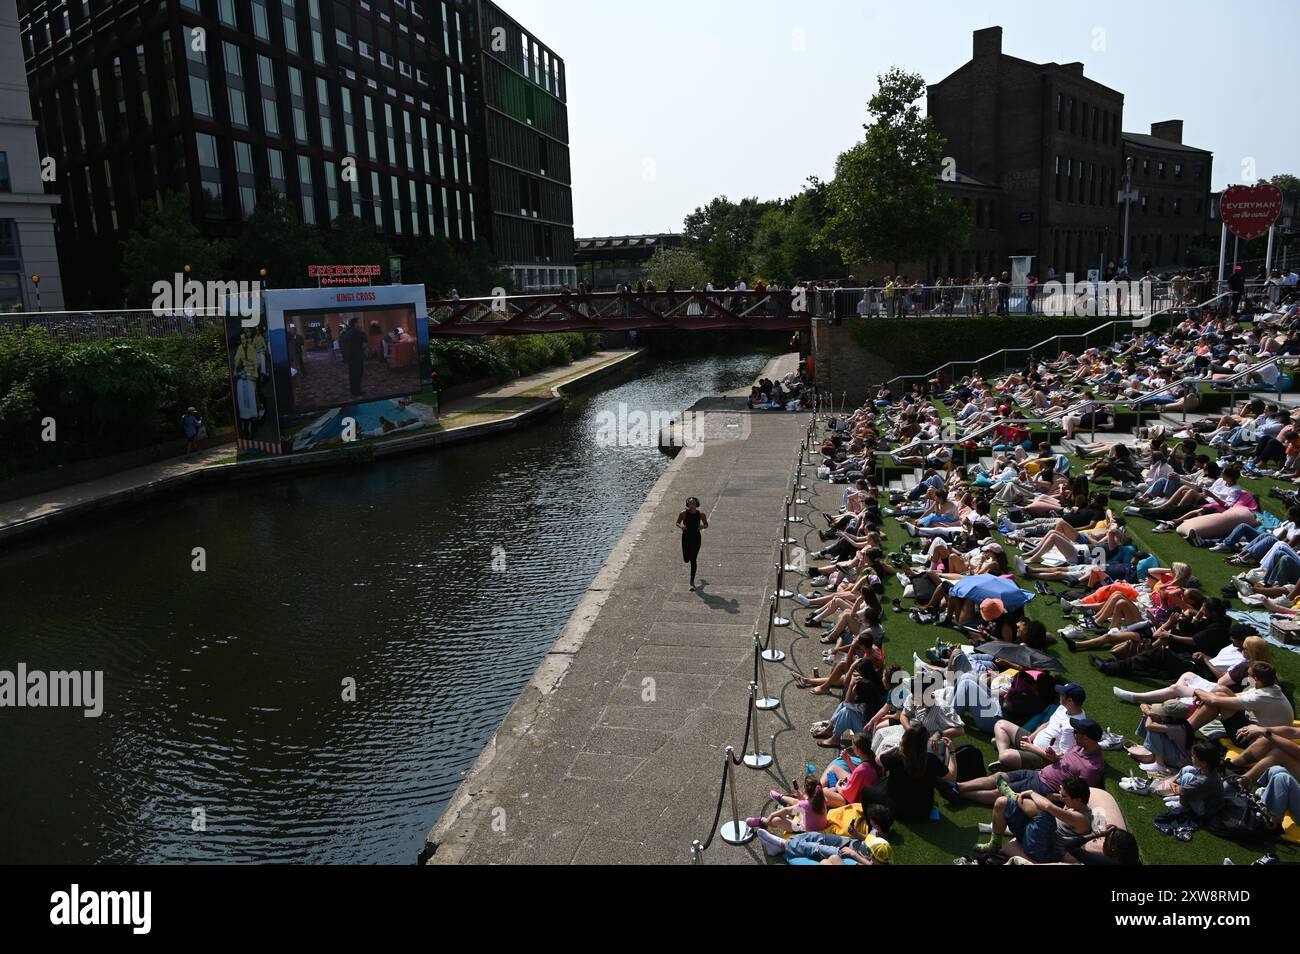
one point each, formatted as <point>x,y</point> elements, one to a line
<point>489,411</point>
<point>613,753</point>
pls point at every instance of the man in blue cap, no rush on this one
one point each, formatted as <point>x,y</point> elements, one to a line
<point>1044,745</point>
<point>1084,760</point>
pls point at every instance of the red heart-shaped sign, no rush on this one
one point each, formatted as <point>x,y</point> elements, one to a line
<point>1248,211</point>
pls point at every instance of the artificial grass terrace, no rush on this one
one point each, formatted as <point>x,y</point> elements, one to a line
<point>955,834</point>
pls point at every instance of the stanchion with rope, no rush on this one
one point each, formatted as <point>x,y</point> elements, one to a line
<point>736,831</point>
<point>770,652</point>
<point>777,618</point>
<point>789,502</point>
<point>781,592</point>
<point>764,701</point>
<point>755,759</point>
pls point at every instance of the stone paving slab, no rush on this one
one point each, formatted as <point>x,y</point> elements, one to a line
<point>614,753</point>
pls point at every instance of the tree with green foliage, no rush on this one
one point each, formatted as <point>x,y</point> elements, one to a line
<point>1286,182</point>
<point>350,241</point>
<point>787,246</point>
<point>276,239</point>
<point>721,234</point>
<point>440,267</point>
<point>677,265</point>
<point>166,241</point>
<point>884,203</point>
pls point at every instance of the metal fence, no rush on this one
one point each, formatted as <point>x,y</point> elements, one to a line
<point>1120,299</point>
<point>84,326</point>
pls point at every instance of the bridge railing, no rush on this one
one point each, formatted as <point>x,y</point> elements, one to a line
<point>531,312</point>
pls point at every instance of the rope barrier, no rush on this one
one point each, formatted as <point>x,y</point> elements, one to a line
<point>737,831</point>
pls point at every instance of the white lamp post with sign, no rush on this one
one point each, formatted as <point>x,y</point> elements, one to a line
<point>1128,196</point>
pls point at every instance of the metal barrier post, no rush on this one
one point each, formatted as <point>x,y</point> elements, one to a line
<point>777,619</point>
<point>771,654</point>
<point>734,832</point>
<point>764,701</point>
<point>781,592</point>
<point>755,759</point>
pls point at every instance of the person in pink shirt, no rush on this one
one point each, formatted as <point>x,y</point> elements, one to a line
<point>864,774</point>
<point>797,815</point>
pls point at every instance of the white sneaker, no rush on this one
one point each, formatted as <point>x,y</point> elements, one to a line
<point>802,600</point>
<point>772,844</point>
<point>819,581</point>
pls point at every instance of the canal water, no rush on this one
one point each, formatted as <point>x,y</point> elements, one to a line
<point>436,583</point>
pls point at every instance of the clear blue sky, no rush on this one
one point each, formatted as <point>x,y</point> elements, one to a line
<point>672,102</point>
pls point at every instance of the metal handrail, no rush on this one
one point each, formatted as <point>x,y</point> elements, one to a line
<point>1132,323</point>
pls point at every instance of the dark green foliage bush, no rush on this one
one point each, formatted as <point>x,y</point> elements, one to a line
<point>104,396</point>
<point>122,394</point>
<point>917,345</point>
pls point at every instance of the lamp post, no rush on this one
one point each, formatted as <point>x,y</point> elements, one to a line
<point>36,284</point>
<point>1128,196</point>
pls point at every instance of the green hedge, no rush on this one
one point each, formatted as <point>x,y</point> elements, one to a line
<point>458,360</point>
<point>106,396</point>
<point>917,345</point>
<point>530,353</point>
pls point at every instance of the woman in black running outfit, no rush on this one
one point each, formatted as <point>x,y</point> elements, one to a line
<point>691,521</point>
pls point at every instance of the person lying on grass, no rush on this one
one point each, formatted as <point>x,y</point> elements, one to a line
<point>1227,668</point>
<point>1083,760</point>
<point>1261,700</point>
<point>1018,748</point>
<point>869,846</point>
<point>1128,627</point>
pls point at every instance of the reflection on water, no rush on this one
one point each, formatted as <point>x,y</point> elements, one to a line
<point>224,689</point>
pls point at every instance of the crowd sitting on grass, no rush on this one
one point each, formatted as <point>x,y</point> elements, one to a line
<point>1007,501</point>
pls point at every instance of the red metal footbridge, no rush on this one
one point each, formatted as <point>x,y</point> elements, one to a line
<point>622,311</point>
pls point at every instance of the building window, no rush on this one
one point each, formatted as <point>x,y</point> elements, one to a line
<point>6,184</point>
<point>1178,170</point>
<point>275,169</point>
<point>200,98</point>
<point>261,27</point>
<point>397,204</point>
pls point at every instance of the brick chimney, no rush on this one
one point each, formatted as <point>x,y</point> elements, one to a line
<point>1171,130</point>
<point>988,42</point>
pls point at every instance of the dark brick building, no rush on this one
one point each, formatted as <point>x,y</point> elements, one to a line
<point>1172,181</point>
<point>454,117</point>
<point>1049,143</point>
